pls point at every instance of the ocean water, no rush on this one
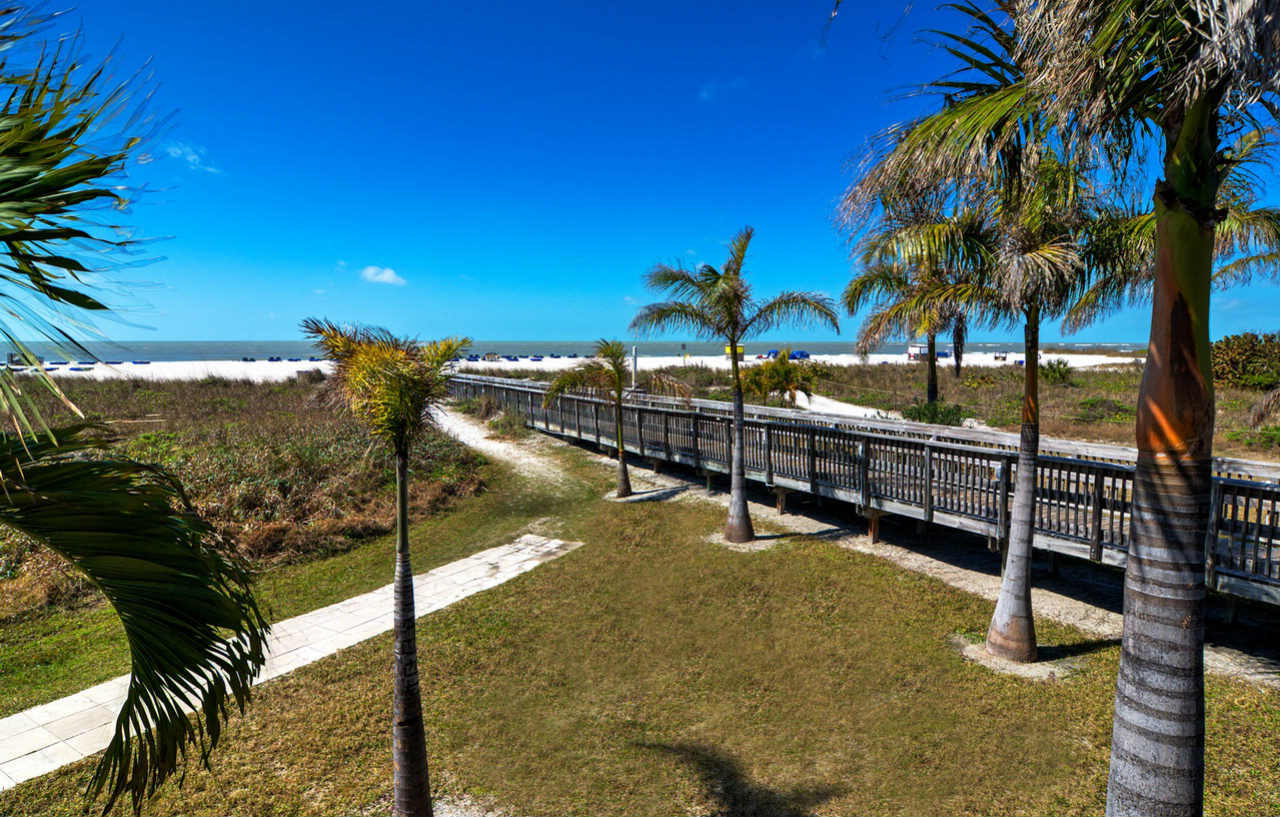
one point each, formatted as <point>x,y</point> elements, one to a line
<point>261,350</point>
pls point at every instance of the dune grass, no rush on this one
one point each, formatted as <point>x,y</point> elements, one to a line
<point>651,672</point>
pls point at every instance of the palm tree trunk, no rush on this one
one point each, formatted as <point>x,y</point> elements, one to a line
<point>1157,738</point>
<point>624,479</point>
<point>738,527</point>
<point>412,789</point>
<point>1012,633</point>
<point>931,390</point>
<point>958,332</point>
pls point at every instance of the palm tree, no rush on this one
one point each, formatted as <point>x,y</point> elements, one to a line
<point>195,633</point>
<point>1192,71</point>
<point>992,140</point>
<point>1246,237</point>
<point>781,376</point>
<point>392,384</point>
<point>717,303</point>
<point>894,271</point>
<point>606,375</point>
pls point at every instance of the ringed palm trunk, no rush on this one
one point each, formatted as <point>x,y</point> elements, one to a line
<point>1012,633</point>
<point>958,332</point>
<point>931,390</point>
<point>1157,739</point>
<point>738,527</point>
<point>624,479</point>
<point>412,789</point>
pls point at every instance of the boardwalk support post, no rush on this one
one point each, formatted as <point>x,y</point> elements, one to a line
<point>781,494</point>
<point>873,525</point>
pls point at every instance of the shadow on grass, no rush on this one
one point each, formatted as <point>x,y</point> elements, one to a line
<point>1052,652</point>
<point>736,796</point>
<point>656,495</point>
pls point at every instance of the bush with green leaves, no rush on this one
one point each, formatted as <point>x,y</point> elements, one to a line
<point>1055,372</point>
<point>939,413</point>
<point>1248,360</point>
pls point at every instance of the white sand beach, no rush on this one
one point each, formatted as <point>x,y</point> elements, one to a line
<point>266,370</point>
<point>1075,360</point>
<point>259,371</point>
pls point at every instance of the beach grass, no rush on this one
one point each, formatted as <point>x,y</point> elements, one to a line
<point>653,672</point>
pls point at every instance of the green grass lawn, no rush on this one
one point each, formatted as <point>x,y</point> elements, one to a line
<point>52,653</point>
<point>651,672</point>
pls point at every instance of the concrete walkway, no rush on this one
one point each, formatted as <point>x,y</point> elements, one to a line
<point>41,739</point>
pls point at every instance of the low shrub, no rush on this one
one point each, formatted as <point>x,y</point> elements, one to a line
<point>939,413</point>
<point>1248,360</point>
<point>1104,410</point>
<point>1055,372</point>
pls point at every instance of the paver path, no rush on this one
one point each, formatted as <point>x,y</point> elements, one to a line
<point>46,737</point>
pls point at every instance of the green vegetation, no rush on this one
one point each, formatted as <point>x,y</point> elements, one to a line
<point>1055,372</point>
<point>943,414</point>
<point>1247,360</point>
<point>651,672</point>
<point>276,472</point>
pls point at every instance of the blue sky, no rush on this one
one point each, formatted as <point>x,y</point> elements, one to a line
<point>506,171</point>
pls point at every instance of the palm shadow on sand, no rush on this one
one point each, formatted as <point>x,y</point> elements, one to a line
<point>734,794</point>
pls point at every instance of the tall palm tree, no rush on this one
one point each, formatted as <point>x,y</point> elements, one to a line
<point>392,384</point>
<point>1186,72</point>
<point>606,375</point>
<point>1246,237</point>
<point>195,633</point>
<point>993,134</point>
<point>717,303</point>
<point>894,271</point>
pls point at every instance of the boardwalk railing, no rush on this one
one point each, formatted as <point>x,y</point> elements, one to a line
<point>961,478</point>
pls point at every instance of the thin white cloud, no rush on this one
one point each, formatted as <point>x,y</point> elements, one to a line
<point>193,156</point>
<point>627,299</point>
<point>381,275</point>
<point>712,88</point>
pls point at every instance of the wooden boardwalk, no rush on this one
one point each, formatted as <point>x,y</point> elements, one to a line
<point>960,478</point>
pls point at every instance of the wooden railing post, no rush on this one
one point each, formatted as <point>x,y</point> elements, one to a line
<point>1095,521</point>
<point>595,415</point>
<point>640,429</point>
<point>1002,509</point>
<point>813,459</point>
<point>577,417</point>
<point>728,445</point>
<point>928,483</point>
<point>666,434</point>
<point>768,454</point>
<point>693,429</point>
<point>1211,535</point>
<point>864,471</point>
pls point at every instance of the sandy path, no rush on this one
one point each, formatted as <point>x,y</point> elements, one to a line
<point>966,571</point>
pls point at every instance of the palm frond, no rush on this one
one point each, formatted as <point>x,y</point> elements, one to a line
<point>130,529</point>
<point>591,377</point>
<point>792,309</point>
<point>675,316</point>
